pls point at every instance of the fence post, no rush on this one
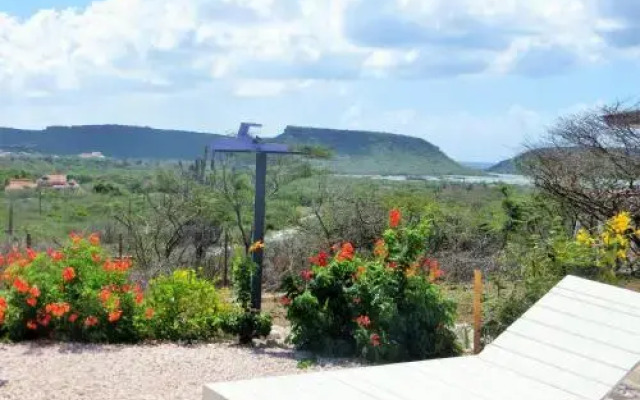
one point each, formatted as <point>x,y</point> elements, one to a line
<point>28,240</point>
<point>477,310</point>
<point>225,276</point>
<point>10,222</point>
<point>120,246</point>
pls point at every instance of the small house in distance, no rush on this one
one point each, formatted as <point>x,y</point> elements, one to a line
<point>17,185</point>
<point>629,119</point>
<point>57,181</point>
<point>93,155</point>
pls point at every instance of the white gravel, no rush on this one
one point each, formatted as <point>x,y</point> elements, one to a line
<point>167,371</point>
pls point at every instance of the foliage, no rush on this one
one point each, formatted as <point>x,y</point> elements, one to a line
<point>534,266</point>
<point>182,306</point>
<point>76,293</point>
<point>246,323</point>
<point>386,307</point>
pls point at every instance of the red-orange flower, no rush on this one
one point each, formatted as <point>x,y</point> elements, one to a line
<point>73,318</point>
<point>55,255</point>
<point>2,260</point>
<point>32,301</point>
<point>75,238</point>
<point>346,252</point>
<point>3,304</point>
<point>58,309</point>
<point>44,319</point>
<point>375,340</point>
<point>435,272</point>
<point>31,325</point>
<point>363,321</point>
<point>380,249</point>
<point>393,265</point>
<point>394,218</point>
<point>105,295</point>
<point>306,275</point>
<point>31,254</point>
<point>285,301</point>
<point>320,260</point>
<point>96,258</point>
<point>91,321</point>
<point>21,285</point>
<point>34,291</point>
<point>94,239</point>
<point>115,315</point>
<point>68,274</point>
<point>149,313</point>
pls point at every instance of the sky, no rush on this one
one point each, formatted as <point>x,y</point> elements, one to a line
<point>477,78</point>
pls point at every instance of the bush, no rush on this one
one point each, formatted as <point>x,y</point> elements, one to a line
<point>384,308</point>
<point>74,294</point>
<point>182,306</point>
<point>245,322</point>
<point>77,293</point>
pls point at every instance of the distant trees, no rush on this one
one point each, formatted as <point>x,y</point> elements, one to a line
<point>590,163</point>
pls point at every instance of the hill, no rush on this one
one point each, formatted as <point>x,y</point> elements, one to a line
<point>355,152</point>
<point>117,141</point>
<point>365,152</point>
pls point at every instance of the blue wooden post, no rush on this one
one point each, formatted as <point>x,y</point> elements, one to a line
<point>244,143</point>
<point>258,228</point>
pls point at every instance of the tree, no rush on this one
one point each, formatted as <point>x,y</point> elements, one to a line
<point>590,163</point>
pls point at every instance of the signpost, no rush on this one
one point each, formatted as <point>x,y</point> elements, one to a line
<point>245,143</point>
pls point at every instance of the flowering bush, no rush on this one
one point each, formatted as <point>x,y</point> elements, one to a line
<point>387,307</point>
<point>78,293</point>
<point>75,293</point>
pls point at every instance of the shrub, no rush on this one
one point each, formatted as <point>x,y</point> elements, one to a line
<point>76,293</point>
<point>387,307</point>
<point>181,306</point>
<point>245,322</point>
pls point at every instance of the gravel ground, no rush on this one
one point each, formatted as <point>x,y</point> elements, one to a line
<point>168,371</point>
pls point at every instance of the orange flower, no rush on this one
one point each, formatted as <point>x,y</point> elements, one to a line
<point>394,218</point>
<point>94,239</point>
<point>375,340</point>
<point>32,301</point>
<point>91,321</point>
<point>75,238</point>
<point>34,291</point>
<point>105,295</point>
<point>96,258</point>
<point>115,315</point>
<point>44,319</point>
<point>31,325</point>
<point>149,313</point>
<point>363,321</point>
<point>380,249</point>
<point>393,265</point>
<point>360,271</point>
<point>2,260</point>
<point>139,295</point>
<point>31,254</point>
<point>435,272</point>
<point>346,252</point>
<point>3,304</point>
<point>55,255</point>
<point>259,245</point>
<point>68,274</point>
<point>21,285</point>
<point>73,318</point>
<point>58,309</point>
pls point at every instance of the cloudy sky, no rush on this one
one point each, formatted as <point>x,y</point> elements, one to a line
<point>474,77</point>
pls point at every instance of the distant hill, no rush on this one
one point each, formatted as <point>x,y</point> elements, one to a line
<point>365,152</point>
<point>479,165</point>
<point>514,166</point>
<point>117,141</point>
<point>355,152</point>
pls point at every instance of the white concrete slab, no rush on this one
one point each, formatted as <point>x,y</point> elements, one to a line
<point>576,343</point>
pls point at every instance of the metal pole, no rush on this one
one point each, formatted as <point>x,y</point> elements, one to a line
<point>258,228</point>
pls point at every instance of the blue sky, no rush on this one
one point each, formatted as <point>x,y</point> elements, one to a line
<point>478,78</point>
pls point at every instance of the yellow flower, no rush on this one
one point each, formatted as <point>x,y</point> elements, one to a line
<point>620,223</point>
<point>259,245</point>
<point>606,237</point>
<point>621,254</point>
<point>583,237</point>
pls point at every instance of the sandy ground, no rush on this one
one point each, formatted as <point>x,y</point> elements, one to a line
<point>168,371</point>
